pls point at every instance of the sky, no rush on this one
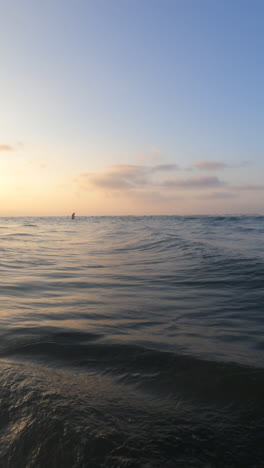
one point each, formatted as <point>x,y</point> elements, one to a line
<point>131,107</point>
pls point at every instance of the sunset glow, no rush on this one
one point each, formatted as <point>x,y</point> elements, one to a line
<point>116,108</point>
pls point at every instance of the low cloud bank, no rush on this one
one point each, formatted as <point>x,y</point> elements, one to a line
<point>161,182</point>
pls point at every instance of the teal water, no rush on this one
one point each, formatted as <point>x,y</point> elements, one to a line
<point>132,341</point>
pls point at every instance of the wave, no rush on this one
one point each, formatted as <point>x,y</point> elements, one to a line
<point>62,418</point>
<point>164,373</point>
<point>17,234</point>
<point>30,225</point>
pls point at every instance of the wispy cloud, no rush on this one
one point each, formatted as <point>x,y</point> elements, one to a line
<point>155,150</point>
<point>194,183</point>
<point>165,168</point>
<point>6,148</point>
<point>152,196</point>
<point>217,165</point>
<point>248,187</point>
<point>123,176</point>
<point>153,155</point>
<point>218,195</point>
<point>211,165</point>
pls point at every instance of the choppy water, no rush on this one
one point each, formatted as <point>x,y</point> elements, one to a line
<point>132,342</point>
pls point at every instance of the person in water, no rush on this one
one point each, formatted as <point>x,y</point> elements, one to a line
<point>73,215</point>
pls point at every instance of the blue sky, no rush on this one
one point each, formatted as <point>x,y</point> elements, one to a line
<point>89,86</point>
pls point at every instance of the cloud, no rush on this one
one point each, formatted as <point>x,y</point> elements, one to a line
<point>217,165</point>
<point>194,183</point>
<point>123,176</point>
<point>248,187</point>
<point>6,148</point>
<point>132,178</point>
<point>153,196</point>
<point>218,195</point>
<point>154,149</point>
<point>211,165</point>
<point>165,168</point>
<point>154,154</point>
<point>232,192</point>
<point>119,177</point>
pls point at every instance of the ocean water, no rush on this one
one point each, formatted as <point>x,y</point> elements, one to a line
<point>132,342</point>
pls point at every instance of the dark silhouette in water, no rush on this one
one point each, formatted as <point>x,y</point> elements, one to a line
<point>73,215</point>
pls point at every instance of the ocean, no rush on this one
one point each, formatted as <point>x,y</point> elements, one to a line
<point>132,342</point>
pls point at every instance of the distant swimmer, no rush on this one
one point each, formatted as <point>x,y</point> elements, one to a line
<point>73,215</point>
